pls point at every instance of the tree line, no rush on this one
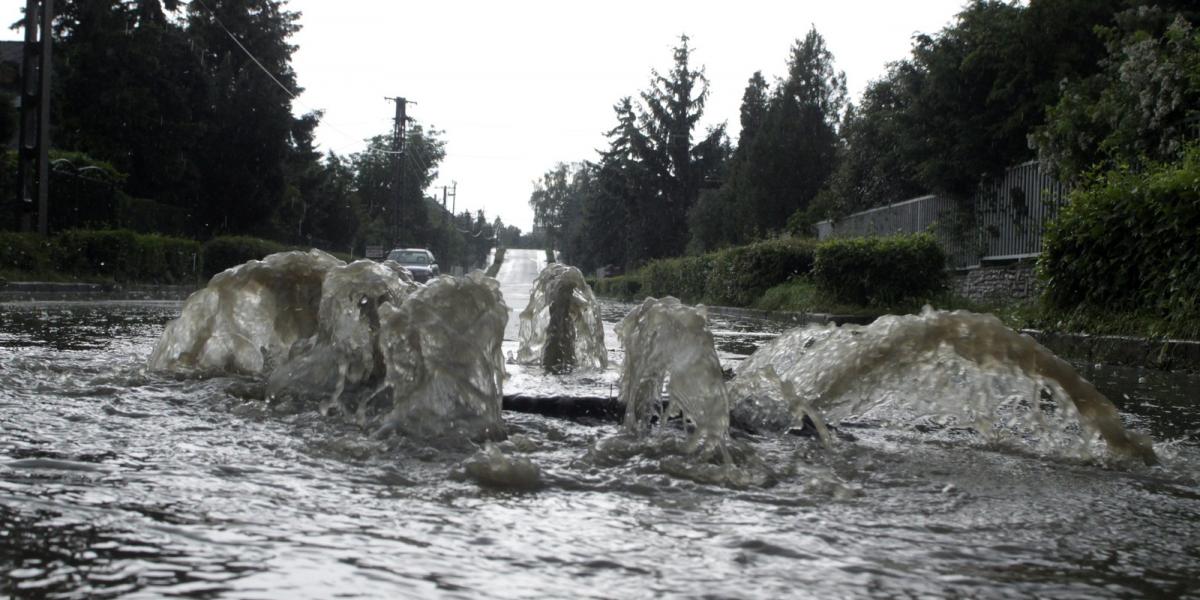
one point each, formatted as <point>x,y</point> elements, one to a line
<point>1081,84</point>
<point>169,96</point>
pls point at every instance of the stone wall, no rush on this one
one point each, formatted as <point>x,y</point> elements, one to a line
<point>1003,283</point>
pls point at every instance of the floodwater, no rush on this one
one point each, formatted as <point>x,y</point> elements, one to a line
<point>118,482</point>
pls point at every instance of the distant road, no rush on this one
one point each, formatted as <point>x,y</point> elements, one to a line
<point>516,276</point>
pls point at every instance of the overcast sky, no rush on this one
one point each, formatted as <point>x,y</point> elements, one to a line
<point>519,86</point>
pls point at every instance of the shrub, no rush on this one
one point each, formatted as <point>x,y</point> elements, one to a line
<point>623,287</point>
<point>165,259</point>
<point>97,253</point>
<point>685,278</point>
<point>118,255</point>
<point>741,275</point>
<point>223,252</point>
<point>880,270</point>
<point>1129,241</point>
<point>25,252</point>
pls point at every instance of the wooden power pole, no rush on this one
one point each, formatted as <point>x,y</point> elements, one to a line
<point>398,134</point>
<point>33,170</point>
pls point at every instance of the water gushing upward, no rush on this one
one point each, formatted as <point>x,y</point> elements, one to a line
<point>361,339</point>
<point>248,317</point>
<point>666,338</point>
<point>957,363</point>
<point>560,327</point>
<point>344,353</point>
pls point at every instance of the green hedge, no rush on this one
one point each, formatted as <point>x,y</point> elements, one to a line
<point>880,270</point>
<point>223,252</point>
<point>118,255</point>
<point>1129,241</point>
<point>685,278</point>
<point>622,287</point>
<point>125,256</point>
<point>741,275</point>
<point>25,252</point>
<point>731,277</point>
<point>108,254</point>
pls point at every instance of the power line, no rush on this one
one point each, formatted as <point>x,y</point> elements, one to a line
<point>238,42</point>
<point>270,75</point>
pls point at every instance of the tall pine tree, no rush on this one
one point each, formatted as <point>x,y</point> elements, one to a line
<point>245,155</point>
<point>674,105</point>
<point>795,149</point>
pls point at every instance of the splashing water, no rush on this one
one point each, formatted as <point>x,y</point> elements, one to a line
<point>962,365</point>
<point>248,317</point>
<point>344,354</point>
<point>445,365</point>
<point>560,327</point>
<point>666,338</point>
<point>361,339</point>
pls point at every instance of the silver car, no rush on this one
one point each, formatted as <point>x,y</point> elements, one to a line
<point>419,261</point>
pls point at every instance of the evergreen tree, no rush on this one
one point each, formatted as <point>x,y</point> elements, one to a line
<point>129,89</point>
<point>793,152</point>
<point>754,109</point>
<point>718,219</point>
<point>609,207</point>
<point>674,105</point>
<point>246,151</point>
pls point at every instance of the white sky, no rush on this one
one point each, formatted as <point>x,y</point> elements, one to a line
<point>518,86</point>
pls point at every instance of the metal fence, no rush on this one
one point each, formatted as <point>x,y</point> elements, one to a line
<point>1004,220</point>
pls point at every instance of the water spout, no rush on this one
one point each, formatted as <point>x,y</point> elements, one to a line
<point>445,365</point>
<point>966,365</point>
<point>666,340</point>
<point>560,327</point>
<point>362,340</point>
<point>248,317</point>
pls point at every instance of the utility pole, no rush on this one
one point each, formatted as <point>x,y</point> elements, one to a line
<point>399,125</point>
<point>34,145</point>
<point>454,195</point>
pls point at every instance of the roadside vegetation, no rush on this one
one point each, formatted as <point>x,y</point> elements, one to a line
<point>797,275</point>
<point>150,131</point>
<point>1103,92</point>
<point>124,256</point>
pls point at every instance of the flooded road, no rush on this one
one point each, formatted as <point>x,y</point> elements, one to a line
<point>119,482</point>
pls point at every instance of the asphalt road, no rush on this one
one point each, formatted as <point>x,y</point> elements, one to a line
<point>517,273</point>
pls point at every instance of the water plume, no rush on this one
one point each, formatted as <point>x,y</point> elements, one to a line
<point>560,327</point>
<point>444,362</point>
<point>344,354</point>
<point>959,364</point>
<point>248,317</point>
<point>667,341</point>
<point>361,340</point>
